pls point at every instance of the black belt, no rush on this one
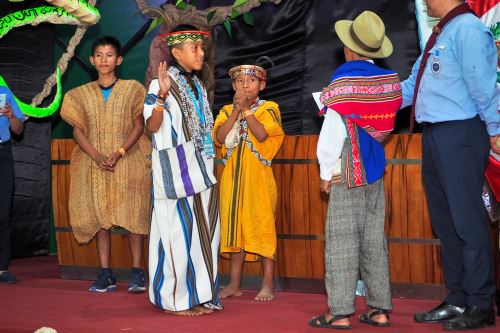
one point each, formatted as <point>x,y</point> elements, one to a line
<point>428,124</point>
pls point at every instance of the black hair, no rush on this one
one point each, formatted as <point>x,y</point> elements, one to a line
<point>107,40</point>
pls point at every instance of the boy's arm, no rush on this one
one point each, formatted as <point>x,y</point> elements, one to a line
<point>85,145</point>
<point>224,129</point>
<point>329,148</point>
<point>256,127</point>
<point>161,90</point>
<point>131,140</point>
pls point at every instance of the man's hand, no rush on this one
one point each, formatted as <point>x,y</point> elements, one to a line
<point>495,143</point>
<point>7,111</point>
<point>324,186</point>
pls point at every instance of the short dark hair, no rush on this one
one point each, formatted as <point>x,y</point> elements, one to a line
<point>107,40</point>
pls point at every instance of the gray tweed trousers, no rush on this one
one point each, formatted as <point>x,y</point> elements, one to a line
<point>355,243</point>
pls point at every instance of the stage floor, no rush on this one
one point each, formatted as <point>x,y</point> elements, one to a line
<point>41,298</point>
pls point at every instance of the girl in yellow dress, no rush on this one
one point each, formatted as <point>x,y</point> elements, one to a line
<point>250,133</point>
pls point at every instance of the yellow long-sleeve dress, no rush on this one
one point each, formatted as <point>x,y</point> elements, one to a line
<point>248,194</point>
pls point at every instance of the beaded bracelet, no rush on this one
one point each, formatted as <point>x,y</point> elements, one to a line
<point>162,97</point>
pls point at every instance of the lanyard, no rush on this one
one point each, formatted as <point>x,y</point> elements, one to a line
<point>198,104</point>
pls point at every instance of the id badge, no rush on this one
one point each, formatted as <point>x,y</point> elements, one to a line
<point>208,146</point>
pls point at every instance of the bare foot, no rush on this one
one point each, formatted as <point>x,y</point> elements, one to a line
<point>265,294</point>
<point>230,291</point>
<point>188,312</point>
<point>202,310</point>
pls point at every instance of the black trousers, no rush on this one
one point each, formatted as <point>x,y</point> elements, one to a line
<point>6,193</point>
<point>454,158</point>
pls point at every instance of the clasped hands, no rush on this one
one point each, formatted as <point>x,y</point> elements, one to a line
<point>241,102</point>
<point>108,163</point>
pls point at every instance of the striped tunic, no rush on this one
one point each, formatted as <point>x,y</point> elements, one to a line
<point>184,236</point>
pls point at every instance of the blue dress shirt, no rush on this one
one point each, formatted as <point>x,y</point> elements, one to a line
<point>459,80</point>
<point>4,121</point>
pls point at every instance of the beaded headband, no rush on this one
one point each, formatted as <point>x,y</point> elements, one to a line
<point>250,70</point>
<point>178,37</point>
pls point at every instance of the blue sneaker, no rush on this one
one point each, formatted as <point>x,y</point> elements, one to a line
<point>6,277</point>
<point>105,282</point>
<point>137,281</point>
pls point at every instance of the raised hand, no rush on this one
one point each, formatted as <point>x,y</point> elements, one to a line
<point>164,79</point>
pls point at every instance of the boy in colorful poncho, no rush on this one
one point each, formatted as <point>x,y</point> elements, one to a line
<point>361,102</point>
<point>184,237</point>
<point>250,133</point>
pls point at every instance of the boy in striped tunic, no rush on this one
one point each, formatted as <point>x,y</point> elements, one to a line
<point>184,237</point>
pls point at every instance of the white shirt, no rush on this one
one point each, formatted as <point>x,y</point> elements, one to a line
<point>330,144</point>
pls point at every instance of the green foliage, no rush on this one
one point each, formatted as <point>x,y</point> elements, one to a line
<point>227,25</point>
<point>248,18</point>
<point>210,16</point>
<point>156,22</point>
<point>238,3</point>
<point>234,13</point>
<point>181,4</point>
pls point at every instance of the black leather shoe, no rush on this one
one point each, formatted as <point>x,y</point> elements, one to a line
<point>472,318</point>
<point>440,313</point>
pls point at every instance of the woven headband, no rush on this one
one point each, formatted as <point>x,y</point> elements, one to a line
<point>250,70</point>
<point>178,37</point>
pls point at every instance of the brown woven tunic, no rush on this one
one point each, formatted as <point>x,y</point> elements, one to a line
<point>102,199</point>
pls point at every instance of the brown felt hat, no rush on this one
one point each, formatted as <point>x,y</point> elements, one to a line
<point>365,35</point>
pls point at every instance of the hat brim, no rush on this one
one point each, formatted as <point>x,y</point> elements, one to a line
<point>343,30</point>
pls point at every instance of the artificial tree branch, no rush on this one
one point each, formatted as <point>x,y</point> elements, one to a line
<point>191,15</point>
<point>173,16</point>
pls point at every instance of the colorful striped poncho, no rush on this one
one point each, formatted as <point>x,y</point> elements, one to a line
<point>367,97</point>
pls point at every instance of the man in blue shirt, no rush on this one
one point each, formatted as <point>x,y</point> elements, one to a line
<point>454,94</point>
<point>11,119</point>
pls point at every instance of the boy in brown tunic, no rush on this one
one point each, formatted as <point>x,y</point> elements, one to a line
<point>109,177</point>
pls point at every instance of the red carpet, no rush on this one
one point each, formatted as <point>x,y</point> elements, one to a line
<point>41,298</point>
